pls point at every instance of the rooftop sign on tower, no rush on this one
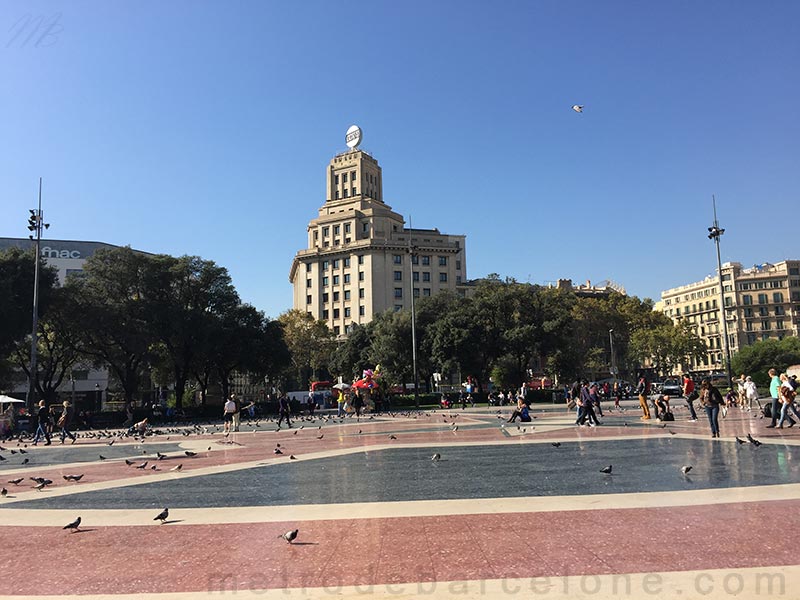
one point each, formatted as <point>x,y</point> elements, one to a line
<point>353,136</point>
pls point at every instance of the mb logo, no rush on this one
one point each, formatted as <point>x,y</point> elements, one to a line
<point>38,31</point>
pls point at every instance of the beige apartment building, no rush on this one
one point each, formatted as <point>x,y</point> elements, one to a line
<point>359,260</point>
<point>761,302</point>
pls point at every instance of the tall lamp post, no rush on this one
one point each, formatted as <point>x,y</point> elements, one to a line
<point>413,316</point>
<point>35,225</point>
<point>714,233</point>
<point>613,366</point>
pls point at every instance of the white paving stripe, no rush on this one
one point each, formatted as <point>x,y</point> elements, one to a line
<point>387,510</point>
<point>779,581</point>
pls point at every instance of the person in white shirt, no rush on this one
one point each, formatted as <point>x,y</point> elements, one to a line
<point>750,393</point>
<point>227,415</point>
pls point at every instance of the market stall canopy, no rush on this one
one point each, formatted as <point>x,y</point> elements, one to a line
<point>10,400</point>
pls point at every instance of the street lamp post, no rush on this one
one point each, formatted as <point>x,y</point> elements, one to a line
<point>35,225</point>
<point>613,366</point>
<point>413,317</point>
<point>714,233</point>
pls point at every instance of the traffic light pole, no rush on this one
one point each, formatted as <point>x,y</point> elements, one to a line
<point>36,223</point>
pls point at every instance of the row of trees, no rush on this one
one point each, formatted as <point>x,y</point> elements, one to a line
<point>147,318</point>
<point>166,320</point>
<point>502,331</point>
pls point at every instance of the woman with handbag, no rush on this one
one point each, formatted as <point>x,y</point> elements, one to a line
<point>711,399</point>
<point>787,395</point>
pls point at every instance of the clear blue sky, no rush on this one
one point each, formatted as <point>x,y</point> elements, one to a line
<point>206,127</point>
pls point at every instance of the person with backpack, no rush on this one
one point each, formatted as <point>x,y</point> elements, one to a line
<point>711,399</point>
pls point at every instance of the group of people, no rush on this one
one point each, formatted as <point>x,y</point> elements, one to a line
<point>46,423</point>
<point>782,391</point>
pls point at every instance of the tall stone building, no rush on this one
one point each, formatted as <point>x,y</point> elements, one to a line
<point>761,302</point>
<point>359,260</point>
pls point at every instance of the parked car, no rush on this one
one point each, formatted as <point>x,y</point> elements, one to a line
<point>672,387</point>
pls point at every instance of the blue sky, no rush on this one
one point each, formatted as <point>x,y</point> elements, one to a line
<point>205,128</point>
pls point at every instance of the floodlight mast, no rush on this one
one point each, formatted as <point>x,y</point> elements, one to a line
<point>714,233</point>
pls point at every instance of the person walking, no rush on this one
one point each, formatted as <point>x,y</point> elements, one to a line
<point>237,414</point>
<point>284,411</point>
<point>690,394</point>
<point>341,400</point>
<point>711,400</point>
<point>787,398</point>
<point>65,422</point>
<point>641,391</point>
<point>774,392</point>
<point>617,396</point>
<point>750,393</point>
<point>43,421</point>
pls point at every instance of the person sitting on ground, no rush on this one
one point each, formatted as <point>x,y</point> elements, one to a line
<point>522,411</point>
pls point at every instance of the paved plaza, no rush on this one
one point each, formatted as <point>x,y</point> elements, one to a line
<point>508,511</point>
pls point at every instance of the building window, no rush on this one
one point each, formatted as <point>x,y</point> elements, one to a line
<point>748,313</point>
<point>336,263</point>
<point>398,292</point>
<point>747,299</point>
<point>324,281</point>
<point>416,292</point>
<point>308,265</point>
<point>336,329</point>
<point>458,265</point>
<point>442,261</point>
<point>763,311</point>
<point>347,193</point>
<point>353,191</point>
<point>360,292</point>
<point>335,296</point>
<point>346,312</point>
<point>361,311</point>
<point>458,278</point>
<point>336,229</point>
<point>325,314</point>
<point>336,179</point>
<point>397,259</point>
<point>361,259</point>
<point>442,277</point>
<point>325,296</point>
<point>326,231</point>
<point>347,240</point>
<point>308,299</point>
<point>325,265</point>
<point>780,311</point>
<point>426,260</point>
<point>361,275</point>
<point>335,280</point>
<point>347,294</point>
<point>337,194</point>
<point>426,276</point>
<point>779,324</point>
<point>762,298</point>
<point>347,227</point>
<point>346,262</point>
<point>415,276</point>
<point>765,325</point>
<point>308,285</point>
<point>398,276</point>
<point>347,277</point>
<point>365,228</point>
<point>344,177</point>
<point>352,175</point>
<point>777,297</point>
<point>335,313</point>
<point>426,291</point>
<point>414,259</point>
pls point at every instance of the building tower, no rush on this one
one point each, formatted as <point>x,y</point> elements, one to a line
<point>357,263</point>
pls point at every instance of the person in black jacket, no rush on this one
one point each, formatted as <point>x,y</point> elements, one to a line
<point>711,399</point>
<point>43,420</point>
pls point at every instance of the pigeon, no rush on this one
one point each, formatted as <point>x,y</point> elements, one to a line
<point>556,444</point>
<point>320,436</point>
<point>142,466</point>
<point>392,437</point>
<point>73,477</point>
<point>436,457</point>
<point>74,525</point>
<point>190,454</point>
<point>128,462</point>
<point>455,428</point>
<point>155,468</point>
<point>4,492</point>
<point>290,536</point>
<point>111,443</point>
<point>2,457</point>
<point>277,451</point>
<point>177,467</point>
<point>16,481</point>
<point>578,108</point>
<point>685,469</point>
<point>23,451</point>
<point>161,456</point>
<point>740,441</point>
<point>25,462</point>
<point>162,516</point>
<point>753,440</point>
<point>40,486</point>
<point>101,457</point>
<point>277,445</point>
<point>13,452</point>
<point>606,470</point>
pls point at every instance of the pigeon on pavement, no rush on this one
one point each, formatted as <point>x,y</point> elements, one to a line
<point>606,469</point>
<point>162,516</point>
<point>177,467</point>
<point>685,469</point>
<point>74,525</point>
<point>436,457</point>
<point>16,481</point>
<point>290,536</point>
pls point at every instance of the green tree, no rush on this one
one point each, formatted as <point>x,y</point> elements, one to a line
<point>758,358</point>
<point>666,346</point>
<point>311,344</point>
<point>353,355</point>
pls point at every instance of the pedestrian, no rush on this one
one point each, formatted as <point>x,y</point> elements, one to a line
<point>711,399</point>
<point>787,398</point>
<point>617,395</point>
<point>65,422</point>
<point>43,420</point>
<point>690,394</point>
<point>284,411</point>
<point>585,407</point>
<point>750,393</point>
<point>341,401</point>
<point>227,415</point>
<point>641,391</point>
<point>311,404</point>
<point>237,414</point>
<point>358,404</point>
<point>594,397</point>
<point>774,392</point>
